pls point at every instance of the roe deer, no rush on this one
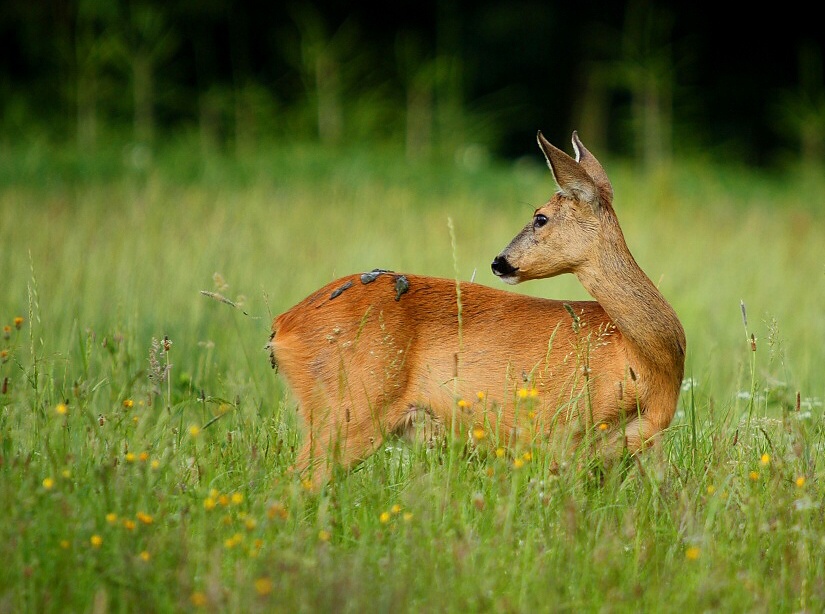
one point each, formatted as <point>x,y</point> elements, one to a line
<point>368,354</point>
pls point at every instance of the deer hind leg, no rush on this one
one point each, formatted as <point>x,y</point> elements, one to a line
<point>346,434</point>
<point>640,431</point>
<point>335,445</point>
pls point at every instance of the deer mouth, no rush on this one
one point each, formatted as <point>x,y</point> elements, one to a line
<point>504,270</point>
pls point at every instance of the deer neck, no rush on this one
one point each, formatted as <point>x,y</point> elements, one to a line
<point>634,304</point>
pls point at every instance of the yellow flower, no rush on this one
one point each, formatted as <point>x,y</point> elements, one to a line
<point>531,415</point>
<point>324,535</point>
<point>237,498</point>
<point>154,464</point>
<point>223,500</point>
<point>209,504</point>
<point>463,404</point>
<point>145,556</point>
<point>66,474</point>
<point>528,456</point>
<point>61,409</point>
<point>754,475</point>
<point>407,516</point>
<point>263,586</point>
<point>499,452</point>
<point>7,331</point>
<point>277,510</point>
<point>603,426</point>
<point>800,481</point>
<point>534,392</point>
<point>522,393</point>
<point>692,553</point>
<point>130,457</point>
<point>395,508</point>
<point>128,403</point>
<point>233,541</point>
<point>96,541</point>
<point>143,456</point>
<point>479,433</point>
<point>765,460</point>
<point>481,395</point>
<point>18,322</point>
<point>48,483</point>
<point>144,518</point>
<point>111,518</point>
<point>64,543</point>
<point>198,599</point>
<point>194,430</point>
<point>711,489</point>
<point>384,518</point>
<point>250,524</point>
<point>129,525</point>
<point>518,463</point>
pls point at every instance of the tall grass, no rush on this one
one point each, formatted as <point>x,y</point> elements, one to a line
<point>136,475</point>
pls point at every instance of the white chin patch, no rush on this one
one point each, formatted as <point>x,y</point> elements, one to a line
<point>510,279</point>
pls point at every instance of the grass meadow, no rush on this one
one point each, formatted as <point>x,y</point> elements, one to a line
<point>145,441</point>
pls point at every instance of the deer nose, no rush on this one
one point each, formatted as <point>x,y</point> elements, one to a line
<point>501,267</point>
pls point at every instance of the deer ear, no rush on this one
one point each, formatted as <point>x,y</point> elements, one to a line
<point>590,164</point>
<point>572,179</point>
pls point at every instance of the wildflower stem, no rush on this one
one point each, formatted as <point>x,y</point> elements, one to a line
<point>166,347</point>
<point>34,312</point>
<point>751,340</point>
<point>693,435</point>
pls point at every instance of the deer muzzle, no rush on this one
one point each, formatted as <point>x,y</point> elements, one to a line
<point>502,268</point>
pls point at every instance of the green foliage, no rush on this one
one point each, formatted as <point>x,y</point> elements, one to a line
<point>141,476</point>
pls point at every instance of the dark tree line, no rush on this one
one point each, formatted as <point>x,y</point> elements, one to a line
<point>635,77</point>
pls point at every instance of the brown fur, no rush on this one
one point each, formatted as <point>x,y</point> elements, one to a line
<point>367,359</point>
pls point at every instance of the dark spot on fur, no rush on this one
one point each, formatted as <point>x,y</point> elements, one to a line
<point>402,285</point>
<point>368,278</point>
<point>632,374</point>
<point>339,291</point>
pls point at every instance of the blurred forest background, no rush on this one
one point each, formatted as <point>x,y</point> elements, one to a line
<point>644,80</point>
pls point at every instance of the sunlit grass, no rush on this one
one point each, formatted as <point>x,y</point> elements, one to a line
<point>145,444</point>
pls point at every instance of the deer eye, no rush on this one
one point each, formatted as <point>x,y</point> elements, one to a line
<point>539,220</point>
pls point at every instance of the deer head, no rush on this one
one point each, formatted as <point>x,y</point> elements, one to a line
<point>565,233</point>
